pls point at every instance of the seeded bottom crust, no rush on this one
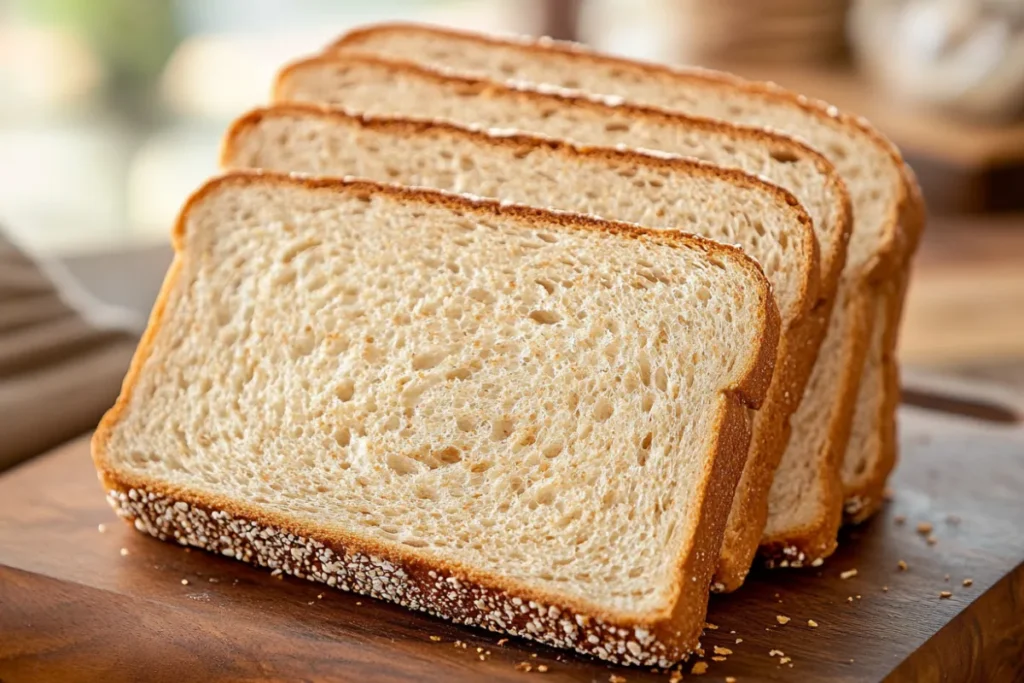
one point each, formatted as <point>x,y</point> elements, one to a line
<point>428,591</point>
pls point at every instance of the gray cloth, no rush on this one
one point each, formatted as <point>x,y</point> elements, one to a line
<point>62,355</point>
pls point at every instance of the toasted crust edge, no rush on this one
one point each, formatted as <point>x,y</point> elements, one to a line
<point>661,639</point>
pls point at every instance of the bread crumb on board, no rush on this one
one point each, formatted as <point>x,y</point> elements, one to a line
<point>776,653</point>
<point>675,676</point>
<point>184,582</point>
<point>900,520</point>
<point>952,519</point>
<point>101,528</point>
<point>968,582</point>
<point>945,595</point>
<point>435,639</point>
<point>722,650</point>
<point>931,540</point>
<point>902,565</point>
<point>812,623</point>
<point>124,552</point>
<point>616,679</point>
<point>924,528</point>
<point>718,659</point>
<point>699,669</point>
<point>730,679</point>
<point>543,668</point>
<point>714,627</point>
<point>848,574</point>
<point>782,619</point>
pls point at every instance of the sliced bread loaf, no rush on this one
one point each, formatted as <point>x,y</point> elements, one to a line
<point>435,401</point>
<point>888,222</point>
<point>378,87</point>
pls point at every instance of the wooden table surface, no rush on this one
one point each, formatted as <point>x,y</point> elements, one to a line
<point>81,604</point>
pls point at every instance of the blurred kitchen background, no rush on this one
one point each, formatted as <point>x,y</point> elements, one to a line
<point>111,112</point>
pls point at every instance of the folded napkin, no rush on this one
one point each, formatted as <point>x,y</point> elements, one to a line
<point>62,355</point>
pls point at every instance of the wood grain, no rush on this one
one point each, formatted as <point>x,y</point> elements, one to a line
<point>73,608</point>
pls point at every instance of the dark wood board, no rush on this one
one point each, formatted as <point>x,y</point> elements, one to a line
<point>73,608</point>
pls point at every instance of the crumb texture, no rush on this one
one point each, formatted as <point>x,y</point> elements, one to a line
<point>531,400</point>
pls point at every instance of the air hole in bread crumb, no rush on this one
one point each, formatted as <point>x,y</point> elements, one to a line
<point>548,285</point>
<point>703,294</point>
<point>414,542</point>
<point>616,127</point>
<point>660,379</point>
<point>481,295</point>
<point>501,428</point>
<point>784,156</point>
<point>546,494</point>
<point>627,172</point>
<point>553,450</point>
<point>429,359</point>
<point>480,467</point>
<point>465,423</point>
<point>400,464</point>
<point>345,390</point>
<point>545,317</point>
<point>609,499</point>
<point>648,402</point>
<point>603,410</point>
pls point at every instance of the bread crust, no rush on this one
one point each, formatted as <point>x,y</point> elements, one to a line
<point>801,340</point>
<point>863,499</point>
<point>401,574</point>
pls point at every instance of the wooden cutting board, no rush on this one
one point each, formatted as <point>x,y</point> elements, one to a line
<point>83,597</point>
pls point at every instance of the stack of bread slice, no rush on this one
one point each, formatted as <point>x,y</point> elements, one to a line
<point>524,336</point>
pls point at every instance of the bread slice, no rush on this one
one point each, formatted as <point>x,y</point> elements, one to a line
<point>370,85</point>
<point>888,223</point>
<point>439,401</point>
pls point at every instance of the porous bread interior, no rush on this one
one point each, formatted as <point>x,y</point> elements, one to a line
<point>376,88</point>
<point>622,187</point>
<point>367,87</point>
<point>529,400</point>
<point>872,177</point>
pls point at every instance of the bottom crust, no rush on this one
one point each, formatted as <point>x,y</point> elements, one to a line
<point>426,590</point>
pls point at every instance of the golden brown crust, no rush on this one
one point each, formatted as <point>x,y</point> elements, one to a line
<point>862,501</point>
<point>658,638</point>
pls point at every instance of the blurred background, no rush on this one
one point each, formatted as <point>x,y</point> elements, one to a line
<point>111,112</point>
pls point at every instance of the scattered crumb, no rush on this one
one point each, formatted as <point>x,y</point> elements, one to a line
<point>848,574</point>
<point>543,668</point>
<point>102,528</point>
<point>732,633</point>
<point>699,669</point>
<point>213,580</point>
<point>812,623</point>
<point>718,659</point>
<point>776,595</point>
<point>931,540</point>
<point>479,649</point>
<point>885,589</point>
<point>457,643</point>
<point>924,528</point>
<point>319,596</point>
<point>502,641</point>
<point>675,676</point>
<point>849,599</point>
<point>857,596</point>
<point>436,639</point>
<point>739,640</point>
<point>776,653</point>
<point>124,552</point>
<point>900,520</point>
<point>184,582</point>
<point>851,660</point>
<point>311,602</point>
<point>276,572</point>
<point>722,650</point>
<point>968,582</point>
<point>359,604</point>
<point>818,561</point>
<point>781,619</point>
<point>616,679</point>
<point>525,666</point>
<point>188,550</point>
<point>533,656</point>
<point>785,660</point>
<point>945,595</point>
<point>714,627</point>
<point>730,679</point>
<point>952,519</point>
<point>487,652</point>
<point>700,651</point>
<point>483,658</point>
<point>946,578</point>
<point>902,565</point>
<point>463,646</point>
